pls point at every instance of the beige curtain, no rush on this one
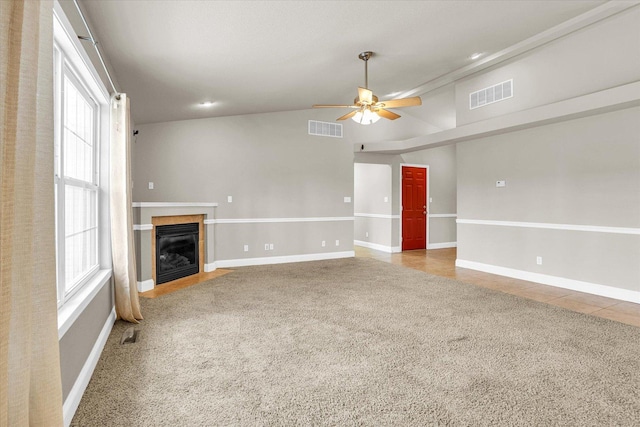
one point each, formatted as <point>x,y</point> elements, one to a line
<point>30,386</point>
<point>124,263</point>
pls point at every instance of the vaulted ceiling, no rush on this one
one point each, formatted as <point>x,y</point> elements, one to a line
<point>265,56</point>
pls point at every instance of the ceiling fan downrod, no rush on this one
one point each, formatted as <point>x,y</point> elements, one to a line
<point>365,57</point>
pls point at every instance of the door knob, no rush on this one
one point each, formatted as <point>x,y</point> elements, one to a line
<point>424,213</point>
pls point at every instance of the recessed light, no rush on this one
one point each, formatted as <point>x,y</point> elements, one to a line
<point>206,104</point>
<point>475,55</point>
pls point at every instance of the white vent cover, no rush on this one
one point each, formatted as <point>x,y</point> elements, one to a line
<point>492,94</point>
<point>317,128</point>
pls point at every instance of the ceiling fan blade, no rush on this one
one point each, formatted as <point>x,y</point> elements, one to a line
<point>386,114</point>
<point>403,102</point>
<point>334,106</point>
<point>365,95</point>
<point>348,115</point>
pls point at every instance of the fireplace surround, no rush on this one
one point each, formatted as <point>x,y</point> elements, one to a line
<point>150,216</point>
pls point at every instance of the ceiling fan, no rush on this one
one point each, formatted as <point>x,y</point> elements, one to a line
<point>367,108</point>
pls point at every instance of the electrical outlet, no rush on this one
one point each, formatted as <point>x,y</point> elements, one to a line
<point>347,199</point>
<point>266,246</point>
<point>386,199</point>
<point>246,248</point>
<point>366,234</point>
<point>150,185</point>
<point>324,243</point>
<point>539,260</point>
<point>270,246</point>
<point>229,199</point>
<point>337,242</point>
<point>501,183</point>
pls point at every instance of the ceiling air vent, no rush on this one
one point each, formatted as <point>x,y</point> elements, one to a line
<point>317,128</point>
<point>491,94</point>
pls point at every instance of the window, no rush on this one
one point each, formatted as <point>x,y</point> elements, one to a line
<point>76,173</point>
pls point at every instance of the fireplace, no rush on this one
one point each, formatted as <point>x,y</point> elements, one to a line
<point>177,251</point>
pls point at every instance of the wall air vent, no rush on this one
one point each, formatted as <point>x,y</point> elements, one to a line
<point>317,128</point>
<point>491,94</point>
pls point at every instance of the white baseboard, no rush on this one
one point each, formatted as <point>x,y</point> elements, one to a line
<point>210,267</point>
<point>245,262</point>
<point>145,286</point>
<point>560,282</point>
<point>442,245</point>
<point>73,399</point>
<point>378,247</point>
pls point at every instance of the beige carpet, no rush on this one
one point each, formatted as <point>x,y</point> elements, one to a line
<point>362,342</point>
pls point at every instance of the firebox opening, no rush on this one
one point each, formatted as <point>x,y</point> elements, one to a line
<point>177,247</point>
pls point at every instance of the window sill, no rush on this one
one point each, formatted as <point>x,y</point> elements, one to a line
<point>73,308</point>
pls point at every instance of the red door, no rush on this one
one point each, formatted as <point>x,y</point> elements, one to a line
<point>414,208</point>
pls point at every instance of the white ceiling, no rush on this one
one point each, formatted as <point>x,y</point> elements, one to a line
<point>264,56</point>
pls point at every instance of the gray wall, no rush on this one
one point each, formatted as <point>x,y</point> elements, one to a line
<point>598,57</point>
<point>77,343</point>
<point>442,190</point>
<point>373,195</point>
<point>579,172</point>
<point>269,165</point>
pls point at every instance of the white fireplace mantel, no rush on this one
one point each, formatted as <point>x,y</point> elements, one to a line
<point>172,204</point>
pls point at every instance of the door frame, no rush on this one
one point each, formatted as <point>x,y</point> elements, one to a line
<point>414,165</point>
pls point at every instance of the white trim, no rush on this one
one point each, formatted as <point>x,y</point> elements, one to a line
<point>226,263</point>
<point>279,220</point>
<point>442,245</point>
<point>80,385</point>
<point>427,222</point>
<point>142,227</point>
<point>145,286</point>
<point>560,282</point>
<point>209,221</point>
<point>443,215</point>
<point>73,308</point>
<point>370,215</point>
<point>550,226</point>
<point>378,247</point>
<point>210,267</point>
<point>172,204</point>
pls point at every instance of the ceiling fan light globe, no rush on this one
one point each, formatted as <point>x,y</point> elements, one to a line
<point>365,117</point>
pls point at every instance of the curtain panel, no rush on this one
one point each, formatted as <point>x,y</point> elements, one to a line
<point>122,244</point>
<point>30,385</point>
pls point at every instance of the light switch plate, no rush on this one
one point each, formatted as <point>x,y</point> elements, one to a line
<point>229,199</point>
<point>347,199</point>
<point>150,185</point>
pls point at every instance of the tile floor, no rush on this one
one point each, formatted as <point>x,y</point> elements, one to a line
<point>441,262</point>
